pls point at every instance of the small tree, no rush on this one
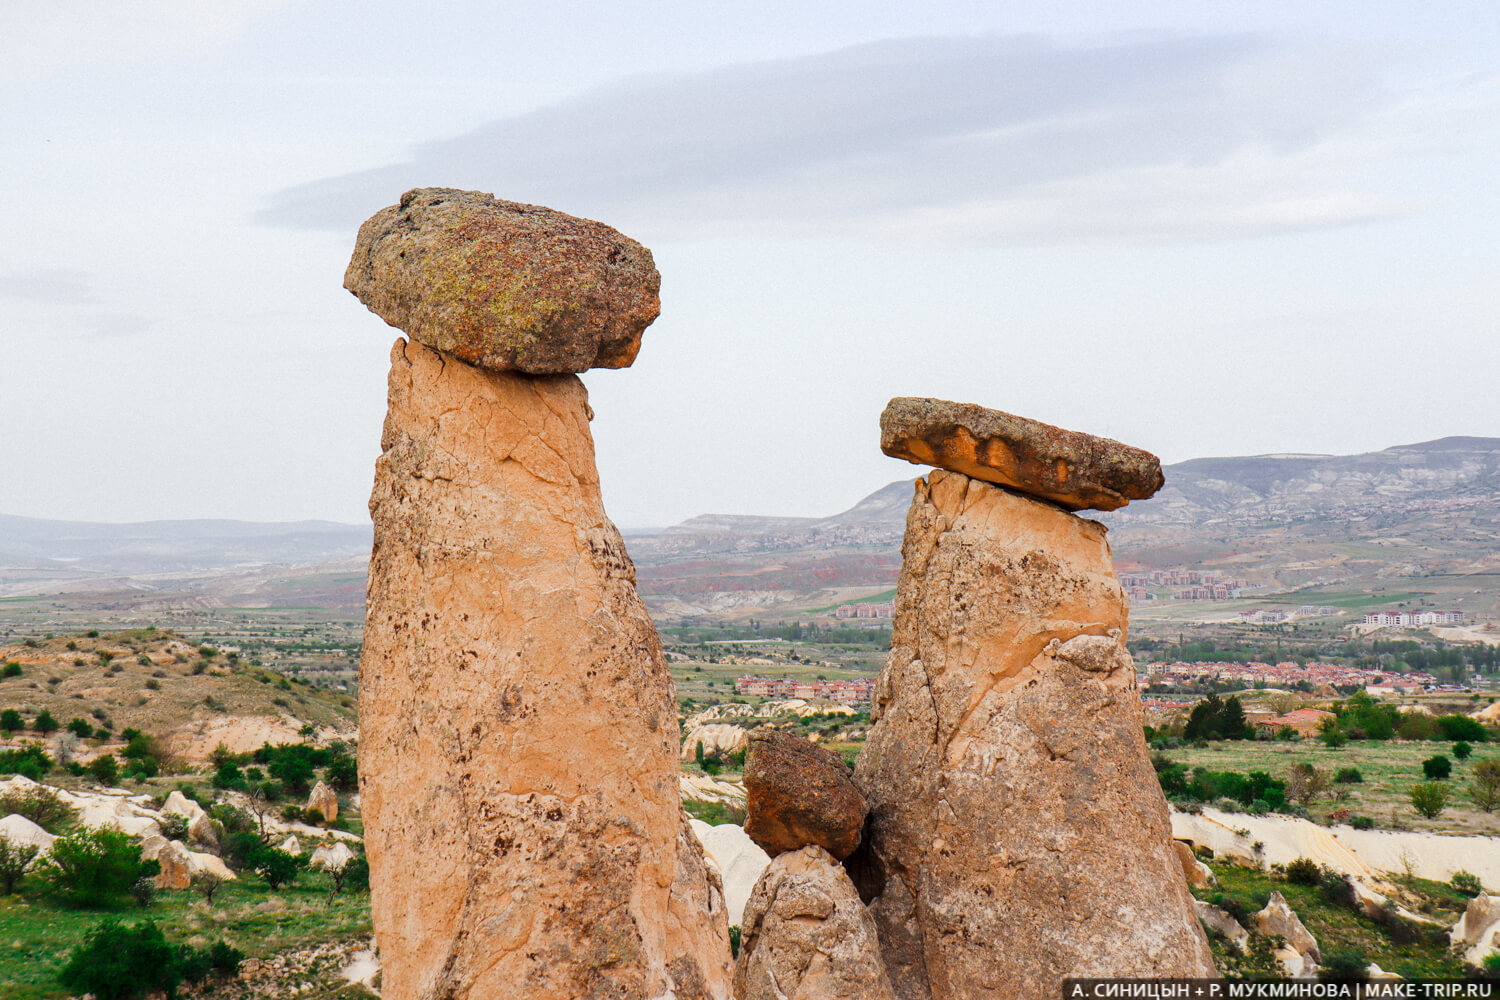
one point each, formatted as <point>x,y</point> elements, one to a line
<point>41,805</point>
<point>122,963</point>
<point>95,867</point>
<point>1437,768</point>
<point>1332,733</point>
<point>1305,783</point>
<point>14,860</point>
<point>1429,798</point>
<point>105,769</point>
<point>1484,788</point>
<point>1461,751</point>
<point>11,721</point>
<point>205,883</point>
<point>45,723</point>
<point>278,867</point>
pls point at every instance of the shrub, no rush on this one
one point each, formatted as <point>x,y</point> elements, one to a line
<point>1466,883</point>
<point>39,804</point>
<point>1348,776</point>
<point>1335,887</point>
<point>1344,965</point>
<point>343,773</point>
<point>143,891</point>
<point>1429,798</point>
<point>11,721</point>
<point>277,867</point>
<point>45,723</point>
<point>1362,822</point>
<point>81,728</point>
<point>95,867</point>
<point>226,960</point>
<point>12,669</point>
<point>121,963</point>
<point>173,826</point>
<point>205,883</point>
<point>105,769</point>
<point>1303,871</point>
<point>14,860</point>
<point>1461,751</point>
<point>1460,727</point>
<point>30,761</point>
<point>1485,785</point>
<point>1437,768</point>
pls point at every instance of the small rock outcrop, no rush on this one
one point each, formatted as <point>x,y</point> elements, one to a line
<point>716,738</point>
<point>800,794</point>
<point>807,936</point>
<point>519,738</point>
<point>1017,832</point>
<point>1077,471</point>
<point>325,801</point>
<point>740,862</point>
<point>1477,932</point>
<point>1299,956</point>
<point>1195,871</point>
<point>291,845</point>
<point>331,857</point>
<point>176,866</point>
<point>1222,922</point>
<point>21,831</point>
<point>503,285</point>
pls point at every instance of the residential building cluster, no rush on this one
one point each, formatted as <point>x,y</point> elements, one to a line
<point>1191,584</point>
<point>1271,616</point>
<point>856,692</point>
<point>1287,674</point>
<point>1406,619</point>
<point>886,610</point>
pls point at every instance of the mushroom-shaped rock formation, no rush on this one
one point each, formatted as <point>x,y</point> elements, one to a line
<point>1074,470</point>
<point>1017,833</point>
<point>518,745</point>
<point>807,936</point>
<point>800,794</point>
<point>503,285</point>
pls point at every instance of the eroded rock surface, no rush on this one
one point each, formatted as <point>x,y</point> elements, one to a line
<point>1477,933</point>
<point>800,794</point>
<point>503,285</point>
<point>807,936</point>
<point>1299,955</point>
<point>518,746</point>
<point>1078,471</point>
<point>325,801</point>
<point>1017,833</point>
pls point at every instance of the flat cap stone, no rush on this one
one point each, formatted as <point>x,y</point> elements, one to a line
<point>1074,470</point>
<point>799,794</point>
<point>503,285</point>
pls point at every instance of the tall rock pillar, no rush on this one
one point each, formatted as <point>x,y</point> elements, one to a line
<point>518,745</point>
<point>1017,834</point>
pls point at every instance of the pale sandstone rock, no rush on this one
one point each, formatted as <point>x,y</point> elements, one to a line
<point>20,830</point>
<point>1222,921</point>
<point>332,857</point>
<point>739,859</point>
<point>1477,932</point>
<point>324,801</point>
<point>211,863</point>
<point>178,804</point>
<point>1017,834</point>
<point>807,936</point>
<point>1300,956</point>
<point>1070,468</point>
<point>1195,871</point>
<point>717,738</point>
<point>292,846</point>
<point>518,745</point>
<point>176,866</point>
<point>504,285</point>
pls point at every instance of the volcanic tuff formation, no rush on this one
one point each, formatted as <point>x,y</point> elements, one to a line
<point>1017,833</point>
<point>519,747</point>
<point>1077,471</point>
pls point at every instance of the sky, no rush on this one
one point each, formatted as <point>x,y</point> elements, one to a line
<point>1202,229</point>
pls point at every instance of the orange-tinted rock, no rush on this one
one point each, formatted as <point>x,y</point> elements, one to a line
<point>1077,471</point>
<point>1017,832</point>
<point>518,743</point>
<point>800,794</point>
<point>503,285</point>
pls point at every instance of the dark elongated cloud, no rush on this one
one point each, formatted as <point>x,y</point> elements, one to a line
<point>966,140</point>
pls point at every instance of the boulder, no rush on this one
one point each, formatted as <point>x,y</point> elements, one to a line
<point>20,830</point>
<point>807,936</point>
<point>1300,957</point>
<point>1477,933</point>
<point>506,286</point>
<point>331,857</point>
<point>176,866</point>
<point>1195,871</point>
<point>178,804</point>
<point>800,794</point>
<point>201,831</point>
<point>739,859</point>
<point>1077,471</point>
<point>716,738</point>
<point>1223,923</point>
<point>199,861</point>
<point>151,847</point>
<point>1017,832</point>
<point>518,723</point>
<point>292,845</point>
<point>324,801</point>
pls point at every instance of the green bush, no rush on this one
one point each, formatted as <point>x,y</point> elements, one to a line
<point>1437,768</point>
<point>1429,798</point>
<point>1344,965</point>
<point>1460,727</point>
<point>11,721</point>
<point>14,860</point>
<point>12,669</point>
<point>1303,871</point>
<point>1467,883</point>
<point>30,761</point>
<point>45,723</point>
<point>1348,776</point>
<point>1461,751</point>
<point>277,867</point>
<point>41,805</point>
<point>1362,823</point>
<point>120,963</point>
<point>95,867</point>
<point>105,769</point>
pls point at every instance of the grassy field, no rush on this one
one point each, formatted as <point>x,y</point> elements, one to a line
<point>37,932</point>
<point>1389,770</point>
<point>1410,950</point>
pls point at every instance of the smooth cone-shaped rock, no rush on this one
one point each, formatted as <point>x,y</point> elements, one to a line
<point>518,745</point>
<point>1075,470</point>
<point>503,285</point>
<point>807,936</point>
<point>1017,833</point>
<point>800,794</point>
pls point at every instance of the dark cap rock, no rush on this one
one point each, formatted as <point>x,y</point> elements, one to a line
<point>504,285</point>
<point>800,794</point>
<point>1074,470</point>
